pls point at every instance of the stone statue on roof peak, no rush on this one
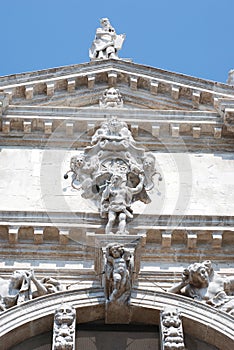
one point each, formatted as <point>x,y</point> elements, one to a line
<point>106,43</point>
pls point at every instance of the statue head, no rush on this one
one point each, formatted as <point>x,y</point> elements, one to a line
<point>171,317</point>
<point>115,250</point>
<point>149,163</point>
<point>65,314</point>
<point>117,179</point>
<point>105,22</point>
<point>77,162</point>
<point>114,125</point>
<point>199,274</point>
<point>17,278</point>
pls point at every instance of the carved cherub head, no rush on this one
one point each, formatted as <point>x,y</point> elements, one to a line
<point>199,274</point>
<point>149,163</point>
<point>115,250</point>
<point>77,162</point>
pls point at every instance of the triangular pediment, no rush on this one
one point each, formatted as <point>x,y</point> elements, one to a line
<point>140,86</point>
<point>155,102</point>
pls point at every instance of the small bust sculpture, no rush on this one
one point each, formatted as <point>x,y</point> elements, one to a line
<point>106,43</point>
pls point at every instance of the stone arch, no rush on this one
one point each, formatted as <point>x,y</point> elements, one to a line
<point>35,317</point>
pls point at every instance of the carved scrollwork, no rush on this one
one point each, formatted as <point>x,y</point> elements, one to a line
<point>64,328</point>
<point>171,330</point>
<point>114,172</point>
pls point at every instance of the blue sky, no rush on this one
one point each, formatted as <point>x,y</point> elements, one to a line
<point>193,37</point>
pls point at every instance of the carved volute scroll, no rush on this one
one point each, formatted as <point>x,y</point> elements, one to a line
<point>171,330</point>
<point>106,43</point>
<point>64,328</point>
<point>114,173</point>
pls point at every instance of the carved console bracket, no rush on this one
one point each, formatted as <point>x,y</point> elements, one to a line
<point>171,331</point>
<point>118,278</point>
<point>117,263</point>
<point>64,328</point>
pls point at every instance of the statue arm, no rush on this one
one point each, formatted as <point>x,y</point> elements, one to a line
<point>177,288</point>
<point>139,187</point>
<point>41,289</point>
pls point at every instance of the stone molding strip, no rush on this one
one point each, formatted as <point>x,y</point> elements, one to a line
<point>35,317</point>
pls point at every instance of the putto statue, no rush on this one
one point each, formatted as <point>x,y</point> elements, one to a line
<point>114,173</point>
<point>118,273</point>
<point>111,98</point>
<point>200,282</point>
<point>24,286</point>
<point>106,43</point>
<point>64,328</point>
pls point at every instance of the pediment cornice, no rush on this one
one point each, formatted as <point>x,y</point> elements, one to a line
<point>82,84</point>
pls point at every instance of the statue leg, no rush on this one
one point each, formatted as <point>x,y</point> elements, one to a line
<point>122,222</point>
<point>111,219</point>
